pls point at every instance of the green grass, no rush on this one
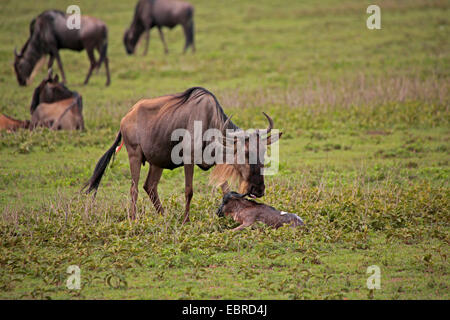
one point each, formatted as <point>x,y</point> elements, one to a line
<point>364,159</point>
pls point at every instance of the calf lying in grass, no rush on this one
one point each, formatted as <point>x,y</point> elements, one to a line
<point>247,212</point>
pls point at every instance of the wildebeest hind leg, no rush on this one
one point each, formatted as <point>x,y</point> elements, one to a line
<point>189,191</point>
<point>108,78</point>
<point>151,186</point>
<point>135,159</point>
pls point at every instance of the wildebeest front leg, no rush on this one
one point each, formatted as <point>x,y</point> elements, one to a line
<point>91,56</point>
<point>189,191</point>
<point>151,186</point>
<point>147,41</point>
<point>161,35</point>
<point>58,60</point>
<point>50,61</point>
<point>245,224</point>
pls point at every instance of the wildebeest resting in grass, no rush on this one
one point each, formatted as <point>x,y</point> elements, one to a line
<point>147,132</point>
<point>160,13</point>
<point>49,33</point>
<point>11,124</point>
<point>50,90</point>
<point>65,114</point>
<point>247,212</point>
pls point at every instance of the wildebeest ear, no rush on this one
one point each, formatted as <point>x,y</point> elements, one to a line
<point>56,78</point>
<point>35,99</point>
<point>275,138</point>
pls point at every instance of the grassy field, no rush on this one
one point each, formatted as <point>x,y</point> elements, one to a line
<point>364,159</point>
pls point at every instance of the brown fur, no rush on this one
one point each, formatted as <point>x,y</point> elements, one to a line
<point>50,90</point>
<point>62,115</point>
<point>146,131</point>
<point>160,13</point>
<point>49,34</point>
<point>246,212</point>
<point>11,124</point>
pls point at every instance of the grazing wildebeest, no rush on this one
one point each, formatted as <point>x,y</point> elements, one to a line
<point>49,33</point>
<point>247,212</point>
<point>147,134</point>
<point>65,114</point>
<point>11,124</point>
<point>160,13</point>
<point>50,90</point>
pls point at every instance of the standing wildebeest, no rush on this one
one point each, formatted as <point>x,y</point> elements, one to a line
<point>49,33</point>
<point>65,114</point>
<point>10,124</point>
<point>160,13</point>
<point>147,133</point>
<point>50,90</point>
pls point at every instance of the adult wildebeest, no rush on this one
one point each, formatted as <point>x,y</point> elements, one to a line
<point>11,124</point>
<point>147,133</point>
<point>50,90</point>
<point>65,114</point>
<point>160,13</point>
<point>49,33</point>
<point>247,212</point>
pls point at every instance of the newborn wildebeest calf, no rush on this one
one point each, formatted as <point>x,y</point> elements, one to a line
<point>247,212</point>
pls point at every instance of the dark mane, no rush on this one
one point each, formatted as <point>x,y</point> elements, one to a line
<point>136,21</point>
<point>200,91</point>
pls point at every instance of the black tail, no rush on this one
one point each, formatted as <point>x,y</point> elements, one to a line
<point>188,27</point>
<point>100,168</point>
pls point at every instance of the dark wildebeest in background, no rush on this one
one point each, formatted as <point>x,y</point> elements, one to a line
<point>50,90</point>
<point>160,13</point>
<point>65,114</point>
<point>11,124</point>
<point>247,212</point>
<point>147,130</point>
<point>49,33</point>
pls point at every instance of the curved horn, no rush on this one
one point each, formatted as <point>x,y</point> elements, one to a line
<point>270,127</point>
<point>225,125</point>
<point>224,131</point>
